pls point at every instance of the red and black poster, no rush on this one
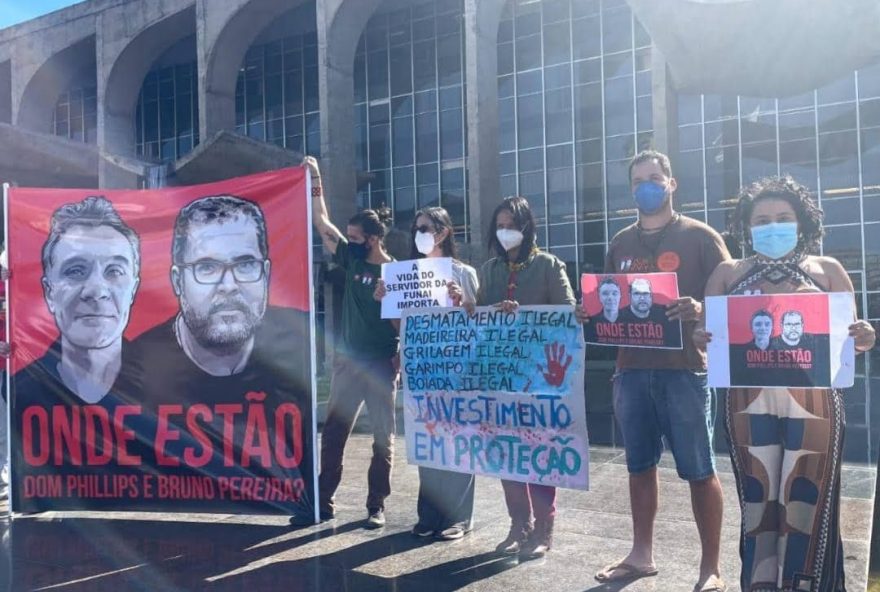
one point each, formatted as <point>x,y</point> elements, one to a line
<point>629,309</point>
<point>780,340</point>
<point>163,347</point>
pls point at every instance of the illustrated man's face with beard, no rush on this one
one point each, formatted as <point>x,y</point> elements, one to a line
<point>222,283</point>
<point>641,298</point>
<point>792,328</point>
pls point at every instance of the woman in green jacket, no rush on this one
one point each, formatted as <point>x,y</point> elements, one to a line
<point>520,273</point>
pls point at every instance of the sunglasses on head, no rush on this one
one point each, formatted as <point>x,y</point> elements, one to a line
<point>425,228</point>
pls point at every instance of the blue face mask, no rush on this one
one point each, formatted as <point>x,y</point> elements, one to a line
<point>649,196</point>
<point>775,240</point>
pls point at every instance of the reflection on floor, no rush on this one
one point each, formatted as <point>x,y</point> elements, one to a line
<point>153,552</point>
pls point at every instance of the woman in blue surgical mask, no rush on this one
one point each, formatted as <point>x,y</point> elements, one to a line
<point>520,273</point>
<point>785,443</point>
<point>446,498</point>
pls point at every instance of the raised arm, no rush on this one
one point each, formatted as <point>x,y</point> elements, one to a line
<point>330,235</point>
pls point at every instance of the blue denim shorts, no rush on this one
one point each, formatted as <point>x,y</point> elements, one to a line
<point>675,405</point>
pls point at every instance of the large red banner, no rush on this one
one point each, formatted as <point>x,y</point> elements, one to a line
<point>163,346</point>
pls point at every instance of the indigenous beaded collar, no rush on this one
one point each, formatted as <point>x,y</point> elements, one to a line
<point>774,271</point>
<point>513,266</point>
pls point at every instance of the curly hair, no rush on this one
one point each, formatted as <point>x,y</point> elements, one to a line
<point>809,215</point>
<point>373,222</point>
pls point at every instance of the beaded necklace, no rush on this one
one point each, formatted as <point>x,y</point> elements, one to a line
<point>514,269</point>
<point>774,271</point>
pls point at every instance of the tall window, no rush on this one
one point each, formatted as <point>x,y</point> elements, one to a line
<point>167,114</point>
<point>574,92</point>
<point>276,96</point>
<point>76,114</point>
<point>827,139</point>
<point>410,110</point>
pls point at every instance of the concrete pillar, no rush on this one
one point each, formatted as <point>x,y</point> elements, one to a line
<point>225,31</point>
<point>340,24</point>
<point>481,69</point>
<point>130,38</point>
<point>216,101</point>
<point>44,66</point>
<point>664,102</point>
<point>6,92</point>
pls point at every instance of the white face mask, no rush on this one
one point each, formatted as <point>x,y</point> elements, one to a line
<point>509,239</point>
<point>425,242</point>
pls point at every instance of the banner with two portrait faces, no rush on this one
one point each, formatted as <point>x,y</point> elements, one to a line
<point>163,347</point>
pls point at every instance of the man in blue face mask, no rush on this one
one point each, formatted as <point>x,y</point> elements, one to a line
<point>660,392</point>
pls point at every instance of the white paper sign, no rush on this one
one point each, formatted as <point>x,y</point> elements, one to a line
<point>417,283</point>
<point>781,340</point>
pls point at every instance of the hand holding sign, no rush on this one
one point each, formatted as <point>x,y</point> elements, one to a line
<point>556,367</point>
<point>380,291</point>
<point>863,334</point>
<point>684,309</point>
<point>701,337</point>
<point>580,314</point>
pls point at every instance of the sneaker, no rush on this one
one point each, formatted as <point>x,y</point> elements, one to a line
<point>516,538</point>
<point>453,533</point>
<point>422,531</point>
<point>376,519</point>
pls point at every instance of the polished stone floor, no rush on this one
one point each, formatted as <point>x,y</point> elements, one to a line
<point>158,552</point>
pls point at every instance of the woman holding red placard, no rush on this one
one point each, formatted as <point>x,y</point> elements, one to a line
<point>446,498</point>
<point>785,443</point>
<point>521,274</point>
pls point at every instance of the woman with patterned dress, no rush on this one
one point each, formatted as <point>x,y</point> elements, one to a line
<point>785,443</point>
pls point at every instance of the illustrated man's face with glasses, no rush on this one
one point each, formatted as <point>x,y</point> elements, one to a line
<point>641,298</point>
<point>222,282</point>
<point>792,327</point>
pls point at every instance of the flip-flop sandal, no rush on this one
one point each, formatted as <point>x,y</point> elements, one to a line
<point>713,584</point>
<point>623,571</point>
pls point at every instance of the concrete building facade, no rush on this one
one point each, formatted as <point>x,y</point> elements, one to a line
<point>457,103</point>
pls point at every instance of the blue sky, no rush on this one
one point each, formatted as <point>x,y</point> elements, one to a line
<point>16,11</point>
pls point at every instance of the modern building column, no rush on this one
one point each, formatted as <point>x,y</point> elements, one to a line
<point>129,38</point>
<point>340,24</point>
<point>664,104</point>
<point>481,66</point>
<point>226,30</point>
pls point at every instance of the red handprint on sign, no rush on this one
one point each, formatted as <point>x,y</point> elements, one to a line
<point>557,364</point>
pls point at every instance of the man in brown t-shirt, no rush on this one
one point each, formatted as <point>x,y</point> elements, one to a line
<point>663,393</point>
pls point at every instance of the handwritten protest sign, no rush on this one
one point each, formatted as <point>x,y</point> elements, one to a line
<point>630,309</point>
<point>781,340</point>
<point>418,283</point>
<point>495,393</point>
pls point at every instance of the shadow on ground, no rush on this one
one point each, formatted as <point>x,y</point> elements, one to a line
<point>142,555</point>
